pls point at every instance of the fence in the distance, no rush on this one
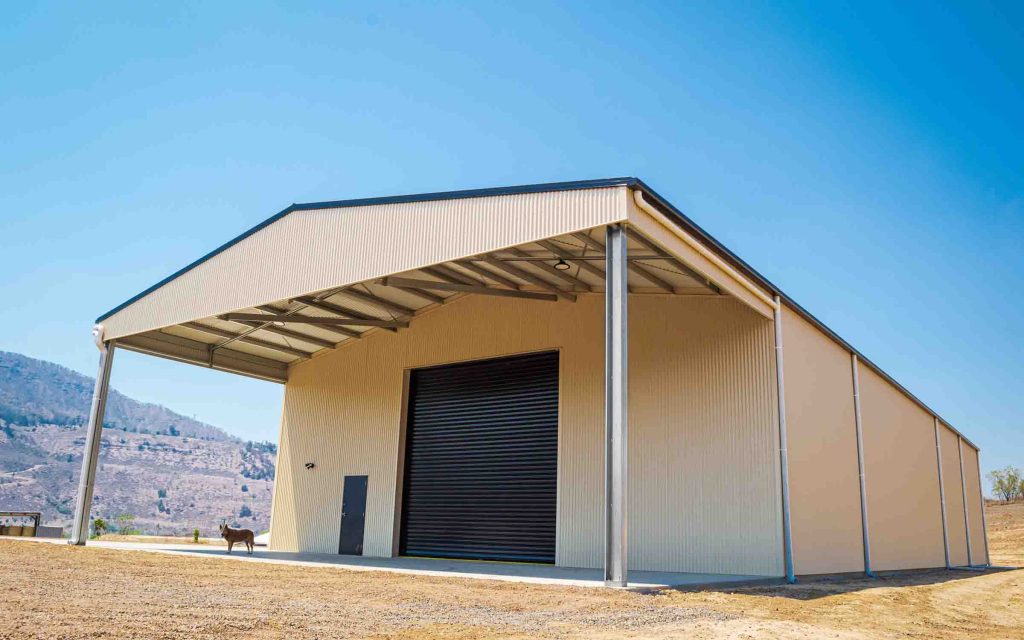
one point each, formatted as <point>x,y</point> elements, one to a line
<point>26,524</point>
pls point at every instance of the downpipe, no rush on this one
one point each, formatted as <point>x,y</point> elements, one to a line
<point>862,477</point>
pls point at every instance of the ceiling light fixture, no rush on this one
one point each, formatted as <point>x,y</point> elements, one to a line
<point>561,265</point>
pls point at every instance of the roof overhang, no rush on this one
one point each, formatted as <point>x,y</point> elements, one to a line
<point>327,274</point>
<point>384,260</point>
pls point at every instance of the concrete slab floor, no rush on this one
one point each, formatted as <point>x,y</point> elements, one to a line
<point>438,567</point>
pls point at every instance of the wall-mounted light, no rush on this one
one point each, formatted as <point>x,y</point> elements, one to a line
<point>310,465</point>
<point>562,265</point>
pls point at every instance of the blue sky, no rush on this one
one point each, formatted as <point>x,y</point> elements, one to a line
<point>866,158</point>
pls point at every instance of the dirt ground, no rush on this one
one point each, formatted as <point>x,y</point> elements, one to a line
<point>55,591</point>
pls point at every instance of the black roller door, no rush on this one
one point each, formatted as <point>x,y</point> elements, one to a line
<point>481,460</point>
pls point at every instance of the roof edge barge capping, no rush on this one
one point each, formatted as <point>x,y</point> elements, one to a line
<point>545,187</point>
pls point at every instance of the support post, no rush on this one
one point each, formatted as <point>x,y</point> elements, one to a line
<point>616,411</point>
<point>780,380</point>
<point>858,425</point>
<point>80,531</point>
<point>963,493</point>
<point>942,493</point>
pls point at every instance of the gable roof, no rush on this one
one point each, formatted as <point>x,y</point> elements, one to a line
<point>632,183</point>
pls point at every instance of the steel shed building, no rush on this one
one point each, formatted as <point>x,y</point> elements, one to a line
<point>572,373</point>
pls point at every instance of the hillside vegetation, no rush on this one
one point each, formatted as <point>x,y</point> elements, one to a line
<point>171,472</point>
<point>39,392</point>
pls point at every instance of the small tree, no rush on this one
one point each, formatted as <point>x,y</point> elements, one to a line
<point>126,522</point>
<point>195,536</point>
<point>99,527</point>
<point>245,512</point>
<point>1007,484</point>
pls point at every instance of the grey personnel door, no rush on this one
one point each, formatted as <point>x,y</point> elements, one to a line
<point>353,515</point>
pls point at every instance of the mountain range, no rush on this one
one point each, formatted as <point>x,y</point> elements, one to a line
<point>170,473</point>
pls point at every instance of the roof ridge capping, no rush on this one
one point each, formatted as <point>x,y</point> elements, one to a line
<point>543,187</point>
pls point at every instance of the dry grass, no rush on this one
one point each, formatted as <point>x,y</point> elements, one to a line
<point>116,537</point>
<point>54,591</point>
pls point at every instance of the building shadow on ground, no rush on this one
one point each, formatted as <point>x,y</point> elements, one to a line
<point>814,587</point>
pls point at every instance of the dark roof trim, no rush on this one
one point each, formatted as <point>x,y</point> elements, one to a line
<point>661,203</point>
<point>364,202</point>
<point>472,193</point>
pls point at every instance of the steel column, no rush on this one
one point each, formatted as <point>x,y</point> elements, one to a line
<point>616,332</point>
<point>858,425</point>
<point>942,493</point>
<point>780,380</point>
<point>963,492</point>
<point>80,531</point>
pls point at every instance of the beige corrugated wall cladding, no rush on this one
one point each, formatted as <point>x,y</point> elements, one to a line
<point>703,431</point>
<point>974,505</point>
<point>704,478</point>
<point>308,251</point>
<point>823,471</point>
<point>954,497</point>
<point>904,515</point>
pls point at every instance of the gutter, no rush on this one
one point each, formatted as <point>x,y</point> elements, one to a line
<point>773,303</point>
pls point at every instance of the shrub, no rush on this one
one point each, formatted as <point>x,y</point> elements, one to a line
<point>195,536</point>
